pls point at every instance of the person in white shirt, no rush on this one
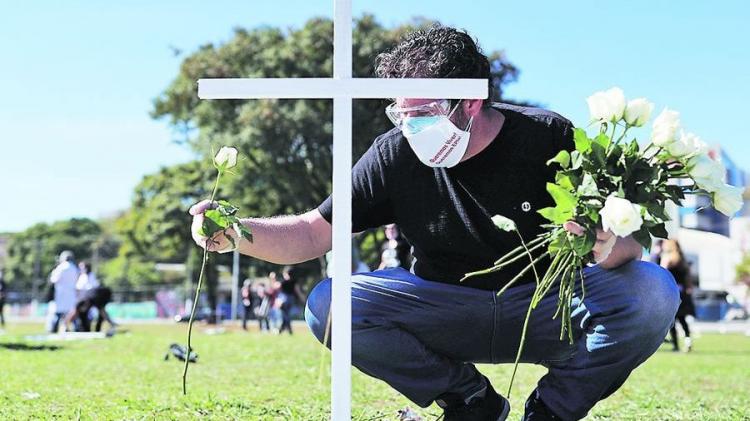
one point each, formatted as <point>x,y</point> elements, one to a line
<point>64,278</point>
<point>86,280</point>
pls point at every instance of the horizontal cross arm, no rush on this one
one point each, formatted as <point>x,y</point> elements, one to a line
<point>341,88</point>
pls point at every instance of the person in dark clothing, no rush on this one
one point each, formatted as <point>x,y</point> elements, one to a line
<point>97,298</point>
<point>441,173</point>
<point>290,296</point>
<point>396,251</point>
<point>674,261</point>
<point>247,302</point>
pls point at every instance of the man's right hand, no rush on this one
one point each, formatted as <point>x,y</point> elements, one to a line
<point>219,242</point>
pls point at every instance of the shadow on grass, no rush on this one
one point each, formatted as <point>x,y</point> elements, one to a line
<point>20,346</point>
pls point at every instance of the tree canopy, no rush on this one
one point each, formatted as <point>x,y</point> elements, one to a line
<point>285,145</point>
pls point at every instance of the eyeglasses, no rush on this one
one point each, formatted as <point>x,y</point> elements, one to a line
<point>397,114</point>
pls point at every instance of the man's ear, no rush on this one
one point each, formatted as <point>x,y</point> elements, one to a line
<point>472,107</point>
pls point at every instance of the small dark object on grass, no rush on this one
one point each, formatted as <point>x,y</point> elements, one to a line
<point>179,352</point>
<point>20,346</point>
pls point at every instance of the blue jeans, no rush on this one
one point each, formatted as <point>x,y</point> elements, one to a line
<point>422,337</point>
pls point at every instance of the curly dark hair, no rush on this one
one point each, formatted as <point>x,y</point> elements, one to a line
<point>436,52</point>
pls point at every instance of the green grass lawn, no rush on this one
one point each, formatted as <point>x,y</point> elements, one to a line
<point>253,376</point>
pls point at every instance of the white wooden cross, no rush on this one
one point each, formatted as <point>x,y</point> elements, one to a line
<point>342,89</point>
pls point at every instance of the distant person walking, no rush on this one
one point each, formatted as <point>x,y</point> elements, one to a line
<point>673,260</point>
<point>64,278</point>
<point>247,302</point>
<point>290,297</point>
<point>262,310</point>
<point>396,251</point>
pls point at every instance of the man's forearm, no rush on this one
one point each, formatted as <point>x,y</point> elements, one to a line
<point>285,239</point>
<point>625,250</point>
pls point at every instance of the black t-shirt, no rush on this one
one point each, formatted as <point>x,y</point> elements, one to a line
<point>445,212</point>
<point>97,297</point>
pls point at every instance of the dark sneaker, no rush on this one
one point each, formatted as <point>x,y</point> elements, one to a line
<point>179,352</point>
<point>536,410</point>
<point>485,405</point>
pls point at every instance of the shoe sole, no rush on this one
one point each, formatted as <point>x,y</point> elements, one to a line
<point>506,410</point>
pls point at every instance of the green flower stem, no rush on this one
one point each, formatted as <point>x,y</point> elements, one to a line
<point>499,266</point>
<point>546,285</point>
<point>521,248</point>
<point>521,273</point>
<point>658,151</point>
<point>531,258</point>
<point>520,348</point>
<point>192,319</point>
<point>622,136</point>
<point>197,295</point>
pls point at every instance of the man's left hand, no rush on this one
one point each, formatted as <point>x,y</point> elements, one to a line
<point>609,251</point>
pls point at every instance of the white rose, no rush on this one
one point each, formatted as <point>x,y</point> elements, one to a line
<point>620,216</point>
<point>728,200</point>
<point>707,173</point>
<point>665,127</point>
<point>638,111</point>
<point>505,224</point>
<point>226,158</point>
<point>688,144</point>
<point>607,105</point>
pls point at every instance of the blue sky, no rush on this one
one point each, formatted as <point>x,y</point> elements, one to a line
<point>78,77</point>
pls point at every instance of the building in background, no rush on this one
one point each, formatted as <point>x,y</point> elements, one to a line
<point>713,243</point>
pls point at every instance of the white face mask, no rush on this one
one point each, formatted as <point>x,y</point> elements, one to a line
<point>435,140</point>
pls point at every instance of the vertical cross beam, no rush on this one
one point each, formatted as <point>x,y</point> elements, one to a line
<point>342,88</point>
<point>341,287</point>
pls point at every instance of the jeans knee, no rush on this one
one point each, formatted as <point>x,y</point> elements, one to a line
<point>656,296</point>
<point>317,308</point>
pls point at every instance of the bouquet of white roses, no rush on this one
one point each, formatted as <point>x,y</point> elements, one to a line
<point>611,183</point>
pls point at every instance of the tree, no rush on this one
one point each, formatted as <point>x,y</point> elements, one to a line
<point>33,253</point>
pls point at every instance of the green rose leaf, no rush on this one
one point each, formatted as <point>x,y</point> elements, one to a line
<point>556,215</point>
<point>562,158</point>
<point>565,200</point>
<point>643,237</point>
<point>245,232</point>
<point>564,181</point>
<point>588,186</point>
<point>598,155</point>
<point>226,208</point>
<point>602,140</point>
<point>657,211</point>
<point>659,231</point>
<point>583,244</point>
<point>558,243</point>
<point>582,141</point>
<point>213,222</point>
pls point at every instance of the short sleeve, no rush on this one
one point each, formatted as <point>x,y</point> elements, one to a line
<point>371,205</point>
<point>565,140</point>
